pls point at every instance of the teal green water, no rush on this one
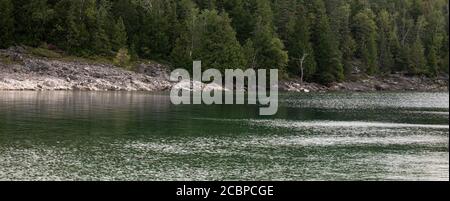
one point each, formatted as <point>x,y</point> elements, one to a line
<point>140,136</point>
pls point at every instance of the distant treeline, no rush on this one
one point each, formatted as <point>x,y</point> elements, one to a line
<point>329,39</point>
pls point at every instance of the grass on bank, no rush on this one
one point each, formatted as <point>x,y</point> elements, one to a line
<point>43,52</point>
<point>6,60</point>
<point>121,59</point>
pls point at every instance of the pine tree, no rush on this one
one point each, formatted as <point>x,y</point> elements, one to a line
<point>434,39</point>
<point>418,62</point>
<point>340,14</point>
<point>242,14</point>
<point>127,10</point>
<point>365,31</point>
<point>122,58</point>
<point>207,36</point>
<point>74,26</point>
<point>285,13</point>
<point>157,36</point>
<point>100,39</point>
<point>218,47</point>
<point>250,54</point>
<point>385,43</point>
<point>119,35</point>
<point>32,21</point>
<point>206,4</point>
<point>327,54</point>
<point>6,23</point>
<point>188,38</point>
<point>445,65</point>
<point>433,61</point>
<point>269,49</point>
<point>263,15</point>
<point>301,54</point>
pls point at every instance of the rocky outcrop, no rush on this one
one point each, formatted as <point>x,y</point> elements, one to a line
<point>25,72</point>
<point>395,82</point>
<point>297,86</point>
<point>21,71</point>
<point>192,86</point>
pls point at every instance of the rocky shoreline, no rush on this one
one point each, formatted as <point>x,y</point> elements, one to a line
<point>21,71</point>
<point>26,72</point>
<point>393,82</point>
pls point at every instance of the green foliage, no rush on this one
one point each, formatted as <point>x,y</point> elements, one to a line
<point>327,54</point>
<point>365,31</point>
<point>44,52</point>
<point>122,58</point>
<point>250,54</point>
<point>241,12</point>
<point>218,47</point>
<point>4,59</point>
<point>340,16</point>
<point>187,41</point>
<point>210,38</point>
<point>119,35</point>
<point>299,47</point>
<point>387,36</point>
<point>387,39</point>
<point>100,40</point>
<point>157,32</point>
<point>269,53</point>
<point>435,36</point>
<point>31,20</point>
<point>268,48</point>
<point>418,61</point>
<point>6,23</point>
<point>445,65</point>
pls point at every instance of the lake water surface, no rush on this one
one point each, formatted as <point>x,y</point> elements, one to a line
<point>141,136</point>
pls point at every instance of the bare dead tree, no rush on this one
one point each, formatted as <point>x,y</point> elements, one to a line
<point>300,62</point>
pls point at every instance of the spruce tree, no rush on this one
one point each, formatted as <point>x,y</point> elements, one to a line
<point>418,62</point>
<point>242,14</point>
<point>250,54</point>
<point>340,16</point>
<point>211,40</point>
<point>157,37</point>
<point>435,38</point>
<point>327,54</point>
<point>285,14</point>
<point>301,54</point>
<point>6,23</point>
<point>99,38</point>
<point>188,37</point>
<point>385,42</point>
<point>218,47</point>
<point>69,31</point>
<point>365,31</point>
<point>269,49</point>
<point>119,35</point>
<point>31,21</point>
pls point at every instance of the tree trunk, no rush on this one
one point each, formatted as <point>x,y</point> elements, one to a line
<point>301,61</point>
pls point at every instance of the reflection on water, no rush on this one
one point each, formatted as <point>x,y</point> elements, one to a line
<point>139,136</point>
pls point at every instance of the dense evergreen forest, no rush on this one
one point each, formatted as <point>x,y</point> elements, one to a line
<point>327,40</point>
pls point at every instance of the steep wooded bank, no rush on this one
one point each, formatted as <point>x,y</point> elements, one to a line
<point>320,41</point>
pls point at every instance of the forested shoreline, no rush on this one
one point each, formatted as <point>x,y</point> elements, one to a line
<point>327,40</point>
